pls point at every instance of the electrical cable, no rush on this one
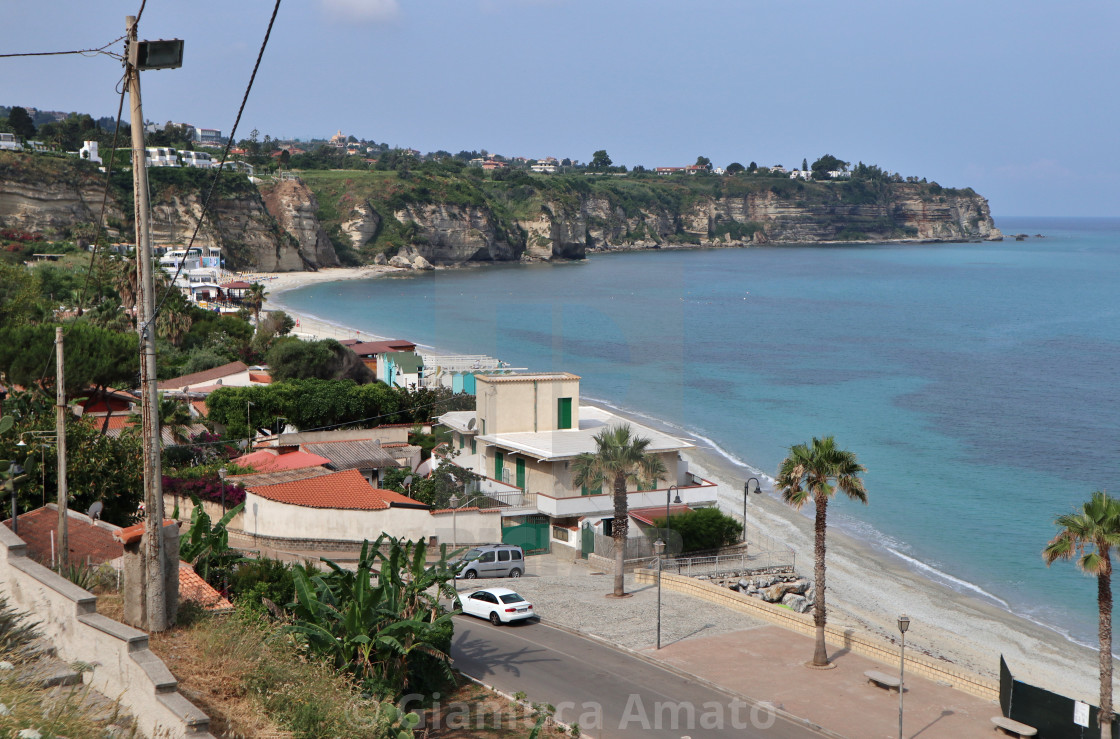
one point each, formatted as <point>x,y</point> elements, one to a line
<point>221,165</point>
<point>99,50</point>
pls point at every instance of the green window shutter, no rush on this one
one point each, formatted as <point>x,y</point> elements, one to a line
<point>499,464</point>
<point>564,413</point>
<point>584,491</point>
<point>461,442</point>
<point>521,473</point>
<point>474,446</point>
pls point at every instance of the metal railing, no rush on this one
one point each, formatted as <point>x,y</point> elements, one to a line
<point>728,564</point>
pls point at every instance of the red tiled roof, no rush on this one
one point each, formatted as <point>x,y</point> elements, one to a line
<point>88,541</point>
<point>200,406</point>
<point>193,587</point>
<point>119,421</point>
<point>237,285</point>
<point>648,515</point>
<point>346,490</point>
<point>265,460</point>
<point>262,377</point>
<point>200,377</point>
<point>133,533</point>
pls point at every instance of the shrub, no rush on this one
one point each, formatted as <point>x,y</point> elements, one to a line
<point>707,528</point>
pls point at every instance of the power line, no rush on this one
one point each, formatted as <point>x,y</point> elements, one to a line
<point>221,164</point>
<point>98,50</point>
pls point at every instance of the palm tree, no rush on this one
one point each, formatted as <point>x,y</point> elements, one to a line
<point>806,474</point>
<point>1090,535</point>
<point>254,300</point>
<point>620,459</point>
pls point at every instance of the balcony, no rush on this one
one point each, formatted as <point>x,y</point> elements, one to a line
<point>702,493</point>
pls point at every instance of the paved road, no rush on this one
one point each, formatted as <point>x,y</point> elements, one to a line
<point>609,693</point>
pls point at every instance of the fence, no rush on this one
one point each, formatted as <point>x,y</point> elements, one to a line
<point>760,552</point>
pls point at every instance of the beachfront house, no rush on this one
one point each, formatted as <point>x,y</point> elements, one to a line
<point>525,433</point>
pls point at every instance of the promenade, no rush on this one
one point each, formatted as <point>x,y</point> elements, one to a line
<point>749,657</point>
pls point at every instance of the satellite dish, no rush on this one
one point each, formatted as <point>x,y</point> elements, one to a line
<point>471,425</point>
<point>94,511</point>
<point>408,481</point>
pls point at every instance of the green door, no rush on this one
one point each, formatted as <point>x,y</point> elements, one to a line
<point>564,413</point>
<point>499,464</point>
<point>521,473</point>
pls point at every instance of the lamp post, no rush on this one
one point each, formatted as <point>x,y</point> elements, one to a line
<point>45,438</point>
<point>747,490</point>
<point>222,474</point>
<point>659,547</point>
<point>665,543</point>
<point>903,625</point>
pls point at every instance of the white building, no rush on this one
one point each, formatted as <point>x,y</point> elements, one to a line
<point>197,159</point>
<point>161,156</point>
<point>9,142</point>
<point>89,152</point>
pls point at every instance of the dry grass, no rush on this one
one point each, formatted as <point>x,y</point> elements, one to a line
<point>252,682</point>
<point>473,712</point>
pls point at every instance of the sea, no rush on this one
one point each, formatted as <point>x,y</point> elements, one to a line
<point>977,382</point>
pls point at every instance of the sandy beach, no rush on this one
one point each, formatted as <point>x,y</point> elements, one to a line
<point>868,588</point>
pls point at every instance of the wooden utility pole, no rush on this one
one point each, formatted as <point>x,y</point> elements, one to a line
<point>60,433</point>
<point>156,617</point>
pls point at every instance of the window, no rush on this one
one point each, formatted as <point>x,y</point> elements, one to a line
<point>559,533</point>
<point>503,556</point>
<point>564,413</point>
<point>512,598</point>
<point>486,557</point>
<point>516,556</point>
<point>474,446</point>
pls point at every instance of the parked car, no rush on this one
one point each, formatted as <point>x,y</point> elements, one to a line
<point>491,560</point>
<point>500,605</point>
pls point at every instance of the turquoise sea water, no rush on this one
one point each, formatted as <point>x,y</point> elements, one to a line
<point>977,382</point>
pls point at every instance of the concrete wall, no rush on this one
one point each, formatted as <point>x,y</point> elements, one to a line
<point>124,667</point>
<point>467,527</point>
<point>857,641</point>
<point>525,404</point>
<point>283,521</point>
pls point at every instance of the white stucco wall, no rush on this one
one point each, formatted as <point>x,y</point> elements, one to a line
<point>266,517</point>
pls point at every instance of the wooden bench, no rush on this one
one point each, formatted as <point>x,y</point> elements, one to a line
<point>1013,728</point>
<point>883,680</point>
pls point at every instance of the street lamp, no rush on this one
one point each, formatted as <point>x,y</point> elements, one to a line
<point>659,547</point>
<point>45,438</point>
<point>15,475</point>
<point>903,625</point>
<point>747,490</point>
<point>677,500</point>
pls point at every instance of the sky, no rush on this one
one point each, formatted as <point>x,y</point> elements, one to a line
<point>1014,98</point>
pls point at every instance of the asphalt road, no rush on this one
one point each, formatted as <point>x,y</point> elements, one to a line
<point>610,694</point>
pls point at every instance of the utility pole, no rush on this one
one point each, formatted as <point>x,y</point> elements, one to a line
<point>154,606</point>
<point>60,433</point>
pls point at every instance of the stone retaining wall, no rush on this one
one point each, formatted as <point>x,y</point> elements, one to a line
<point>858,642</point>
<point>124,668</point>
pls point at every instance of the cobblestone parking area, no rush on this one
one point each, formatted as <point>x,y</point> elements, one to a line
<point>570,595</point>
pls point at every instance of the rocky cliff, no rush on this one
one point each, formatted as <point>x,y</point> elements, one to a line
<point>60,198</point>
<point>452,218</point>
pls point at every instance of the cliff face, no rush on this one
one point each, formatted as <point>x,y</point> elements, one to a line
<point>295,208</point>
<point>451,234</point>
<point>54,197</point>
<point>53,206</point>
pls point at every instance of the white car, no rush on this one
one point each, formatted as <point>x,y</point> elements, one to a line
<point>500,605</point>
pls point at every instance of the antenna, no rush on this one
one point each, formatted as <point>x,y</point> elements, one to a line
<point>94,511</point>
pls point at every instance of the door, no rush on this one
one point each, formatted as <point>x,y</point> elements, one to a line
<point>499,464</point>
<point>564,413</point>
<point>521,473</point>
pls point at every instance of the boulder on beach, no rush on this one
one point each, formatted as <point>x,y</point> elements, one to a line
<point>380,259</point>
<point>399,261</point>
<point>795,602</point>
<point>421,263</point>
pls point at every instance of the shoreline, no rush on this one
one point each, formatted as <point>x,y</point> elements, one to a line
<point>868,585</point>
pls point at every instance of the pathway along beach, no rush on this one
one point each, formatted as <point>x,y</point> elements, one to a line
<point>868,587</point>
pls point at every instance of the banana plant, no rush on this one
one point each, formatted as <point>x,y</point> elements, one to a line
<point>206,546</point>
<point>378,621</point>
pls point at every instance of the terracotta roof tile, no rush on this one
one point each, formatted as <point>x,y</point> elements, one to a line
<point>266,460</point>
<point>193,587</point>
<point>89,541</point>
<point>262,377</point>
<point>346,490</point>
<point>133,533</point>
<point>648,515</point>
<point>200,407</point>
